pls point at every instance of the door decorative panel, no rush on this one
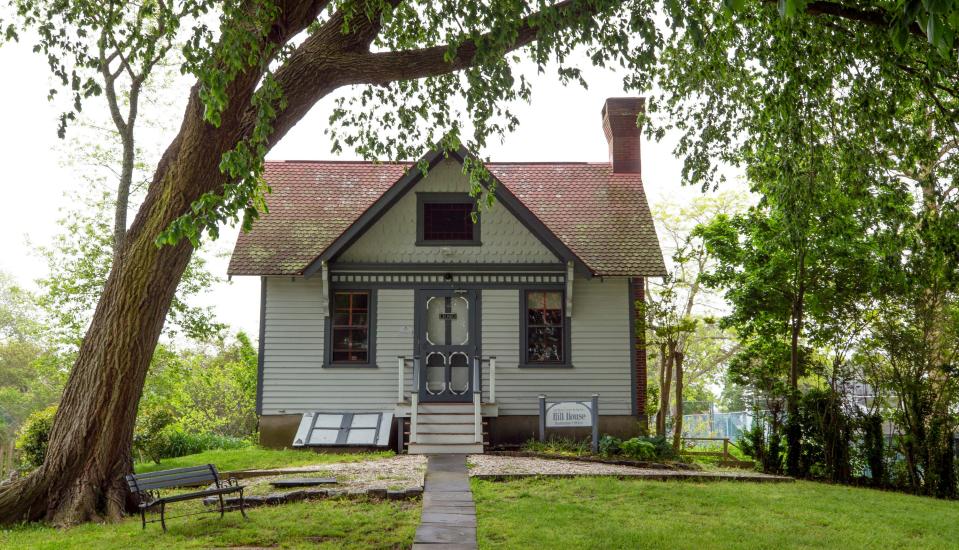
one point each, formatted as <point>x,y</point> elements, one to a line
<point>447,344</point>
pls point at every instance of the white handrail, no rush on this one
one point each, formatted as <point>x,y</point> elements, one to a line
<point>477,418</point>
<point>414,405</point>
<point>492,379</point>
<point>400,364</point>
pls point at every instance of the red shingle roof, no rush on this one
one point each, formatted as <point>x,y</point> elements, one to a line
<point>602,217</point>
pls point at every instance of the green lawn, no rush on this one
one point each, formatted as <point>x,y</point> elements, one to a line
<point>335,523</point>
<point>256,458</point>
<point>607,513</point>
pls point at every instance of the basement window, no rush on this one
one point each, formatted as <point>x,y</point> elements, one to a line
<point>446,219</point>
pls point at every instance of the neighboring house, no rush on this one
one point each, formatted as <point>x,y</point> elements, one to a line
<point>380,294</point>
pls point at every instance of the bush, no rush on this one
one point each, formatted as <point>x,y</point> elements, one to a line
<point>638,448</point>
<point>34,435</point>
<point>610,445</point>
<point>172,442</point>
<point>148,440</point>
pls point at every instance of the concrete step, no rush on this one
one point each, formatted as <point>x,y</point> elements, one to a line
<point>432,449</point>
<point>446,408</point>
<point>445,428</point>
<point>445,439</point>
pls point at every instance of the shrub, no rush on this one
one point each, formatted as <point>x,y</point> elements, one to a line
<point>610,445</point>
<point>148,437</point>
<point>172,441</point>
<point>646,448</point>
<point>34,435</point>
<point>638,448</point>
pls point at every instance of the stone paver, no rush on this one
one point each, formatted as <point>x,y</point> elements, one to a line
<point>449,515</point>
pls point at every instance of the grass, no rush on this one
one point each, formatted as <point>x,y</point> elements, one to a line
<point>558,446</point>
<point>335,523</point>
<point>256,458</point>
<point>608,513</point>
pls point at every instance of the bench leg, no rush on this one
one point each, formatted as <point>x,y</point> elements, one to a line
<point>143,517</point>
<point>221,506</point>
<point>243,505</point>
<point>163,515</point>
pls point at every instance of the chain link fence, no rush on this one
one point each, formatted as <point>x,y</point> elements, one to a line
<point>716,424</point>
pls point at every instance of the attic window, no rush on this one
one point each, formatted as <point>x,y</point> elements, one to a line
<point>446,219</point>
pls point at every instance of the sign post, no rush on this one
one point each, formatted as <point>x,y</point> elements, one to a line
<point>570,414</point>
<point>542,418</point>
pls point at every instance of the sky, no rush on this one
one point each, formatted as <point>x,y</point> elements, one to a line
<point>559,124</point>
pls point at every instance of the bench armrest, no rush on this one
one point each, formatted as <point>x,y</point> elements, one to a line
<point>147,498</point>
<point>230,482</point>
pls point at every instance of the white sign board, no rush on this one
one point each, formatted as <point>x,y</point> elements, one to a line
<point>568,414</point>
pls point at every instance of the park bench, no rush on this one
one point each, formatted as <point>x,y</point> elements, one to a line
<point>147,487</point>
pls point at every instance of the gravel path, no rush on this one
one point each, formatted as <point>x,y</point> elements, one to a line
<point>397,472</point>
<point>491,465</point>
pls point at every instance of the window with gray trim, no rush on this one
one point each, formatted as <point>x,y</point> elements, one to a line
<point>545,330</point>
<point>350,327</point>
<point>446,219</point>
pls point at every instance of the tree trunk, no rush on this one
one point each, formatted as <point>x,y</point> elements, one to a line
<point>793,428</point>
<point>81,478</point>
<point>123,194</point>
<point>666,350</point>
<point>660,413</point>
<point>89,452</point>
<point>678,421</point>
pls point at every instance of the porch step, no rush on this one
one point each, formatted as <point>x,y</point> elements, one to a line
<point>445,419</point>
<point>435,449</point>
<point>446,408</point>
<point>445,439</point>
<point>436,428</point>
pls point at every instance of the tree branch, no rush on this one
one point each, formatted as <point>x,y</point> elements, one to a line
<point>876,17</point>
<point>384,67</point>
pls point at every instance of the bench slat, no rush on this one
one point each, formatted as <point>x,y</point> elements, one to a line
<point>175,482</point>
<point>175,471</point>
<point>177,477</point>
<point>197,494</point>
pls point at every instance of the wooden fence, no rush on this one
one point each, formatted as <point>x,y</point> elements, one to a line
<point>724,456</point>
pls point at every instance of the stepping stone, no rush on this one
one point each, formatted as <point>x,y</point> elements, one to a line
<point>303,482</point>
<point>442,546</point>
<point>436,532</point>
<point>459,520</point>
<point>446,498</point>
<point>448,519</point>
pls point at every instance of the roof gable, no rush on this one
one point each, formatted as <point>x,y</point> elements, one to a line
<point>582,212</point>
<point>394,237</point>
<point>410,180</point>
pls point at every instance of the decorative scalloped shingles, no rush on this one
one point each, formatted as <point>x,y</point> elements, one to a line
<point>602,217</point>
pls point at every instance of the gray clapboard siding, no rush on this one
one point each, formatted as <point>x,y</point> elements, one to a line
<point>392,239</point>
<point>600,350</point>
<point>294,380</point>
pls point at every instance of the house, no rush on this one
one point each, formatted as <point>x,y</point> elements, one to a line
<point>381,296</point>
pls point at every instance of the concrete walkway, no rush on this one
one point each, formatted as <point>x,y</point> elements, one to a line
<point>449,515</point>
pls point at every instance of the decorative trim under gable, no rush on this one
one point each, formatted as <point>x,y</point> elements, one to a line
<point>416,279</point>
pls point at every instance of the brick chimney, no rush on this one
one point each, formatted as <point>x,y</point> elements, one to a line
<point>622,134</point>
